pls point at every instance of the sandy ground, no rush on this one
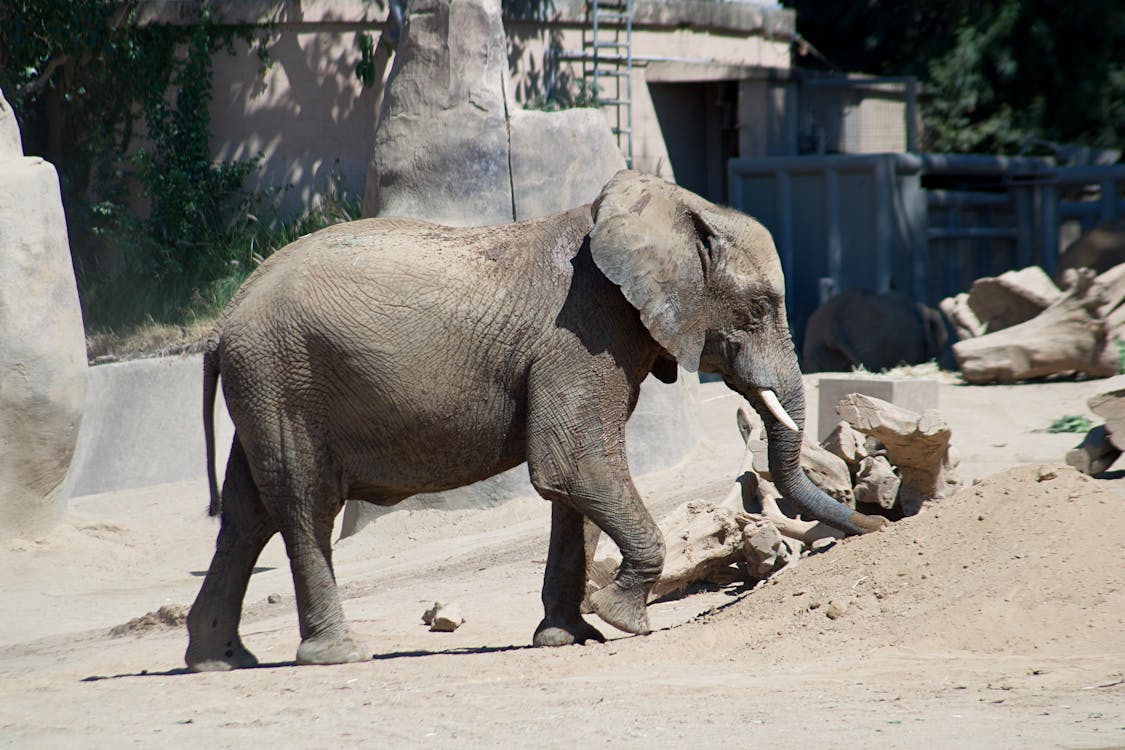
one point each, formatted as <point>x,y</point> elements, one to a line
<point>995,619</point>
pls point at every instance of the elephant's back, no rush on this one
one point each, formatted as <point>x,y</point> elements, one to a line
<point>406,255</point>
<point>396,298</point>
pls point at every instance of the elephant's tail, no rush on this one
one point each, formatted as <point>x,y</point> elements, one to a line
<point>210,386</point>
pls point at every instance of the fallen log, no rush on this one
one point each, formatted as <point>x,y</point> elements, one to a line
<point>1095,453</point>
<point>1011,298</point>
<point>1068,336</point>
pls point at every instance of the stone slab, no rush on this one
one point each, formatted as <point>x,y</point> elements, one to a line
<point>915,394</point>
<point>143,425</point>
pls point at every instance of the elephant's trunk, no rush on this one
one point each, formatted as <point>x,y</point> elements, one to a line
<point>785,450</point>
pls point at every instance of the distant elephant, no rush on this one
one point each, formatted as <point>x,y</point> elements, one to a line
<point>344,354</point>
<point>1100,249</point>
<point>877,331</point>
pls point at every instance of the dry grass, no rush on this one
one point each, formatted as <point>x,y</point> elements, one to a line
<point>152,340</point>
<point>929,370</point>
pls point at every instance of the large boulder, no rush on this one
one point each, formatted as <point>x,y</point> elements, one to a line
<point>441,144</point>
<point>452,147</point>
<point>42,343</point>
<point>560,159</point>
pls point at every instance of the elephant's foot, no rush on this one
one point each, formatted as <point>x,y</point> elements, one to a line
<point>556,632</point>
<point>231,655</point>
<point>622,608</point>
<point>332,649</point>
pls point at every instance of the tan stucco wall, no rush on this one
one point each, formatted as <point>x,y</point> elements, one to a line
<point>310,119</point>
<point>713,54</point>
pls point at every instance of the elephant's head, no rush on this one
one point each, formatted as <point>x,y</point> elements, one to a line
<point>709,288</point>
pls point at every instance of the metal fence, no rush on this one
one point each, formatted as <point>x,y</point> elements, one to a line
<point>927,225</point>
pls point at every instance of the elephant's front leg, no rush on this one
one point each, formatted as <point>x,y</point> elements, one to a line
<point>612,502</point>
<point>564,583</point>
<point>576,458</point>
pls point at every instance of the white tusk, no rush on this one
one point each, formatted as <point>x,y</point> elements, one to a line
<point>776,409</point>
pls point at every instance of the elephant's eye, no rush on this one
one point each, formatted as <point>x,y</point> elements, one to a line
<point>757,311</point>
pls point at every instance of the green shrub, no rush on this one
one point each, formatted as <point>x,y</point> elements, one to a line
<point>135,299</point>
<point>116,103</point>
<point>1071,423</point>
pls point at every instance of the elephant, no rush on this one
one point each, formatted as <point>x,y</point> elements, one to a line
<point>344,353</point>
<point>877,331</point>
<point>1099,249</point>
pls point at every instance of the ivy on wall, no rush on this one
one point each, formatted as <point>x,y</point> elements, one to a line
<point>120,107</point>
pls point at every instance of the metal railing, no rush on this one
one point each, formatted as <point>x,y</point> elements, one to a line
<point>927,225</point>
<point>607,62</point>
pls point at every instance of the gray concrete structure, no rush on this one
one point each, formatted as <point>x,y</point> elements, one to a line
<point>143,426</point>
<point>916,395</point>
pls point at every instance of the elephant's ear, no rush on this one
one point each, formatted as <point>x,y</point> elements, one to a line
<point>649,242</point>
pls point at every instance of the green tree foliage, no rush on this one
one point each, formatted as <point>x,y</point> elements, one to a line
<point>120,107</point>
<point>997,74</point>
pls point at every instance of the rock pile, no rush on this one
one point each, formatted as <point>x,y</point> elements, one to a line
<point>881,457</point>
<point>1104,444</point>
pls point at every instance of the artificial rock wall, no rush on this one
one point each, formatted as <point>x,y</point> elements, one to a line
<point>452,147</point>
<point>42,342</point>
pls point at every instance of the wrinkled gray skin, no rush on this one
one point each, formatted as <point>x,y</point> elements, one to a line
<point>381,358</point>
<point>877,331</point>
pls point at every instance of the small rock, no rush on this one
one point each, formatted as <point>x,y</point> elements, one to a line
<point>877,483</point>
<point>273,598</point>
<point>429,614</point>
<point>447,619</point>
<point>835,610</point>
<point>825,543</point>
<point>765,549</point>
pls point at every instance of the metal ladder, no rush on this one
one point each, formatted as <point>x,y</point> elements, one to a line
<point>607,60</point>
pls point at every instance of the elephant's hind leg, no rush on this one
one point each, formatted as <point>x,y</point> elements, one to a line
<point>213,640</point>
<point>326,637</point>
<point>564,584</point>
<point>306,508</point>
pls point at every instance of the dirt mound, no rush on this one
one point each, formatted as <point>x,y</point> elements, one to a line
<point>1027,559</point>
<point>167,617</point>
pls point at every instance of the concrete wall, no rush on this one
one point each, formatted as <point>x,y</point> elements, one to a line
<point>692,45</point>
<point>143,426</point>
